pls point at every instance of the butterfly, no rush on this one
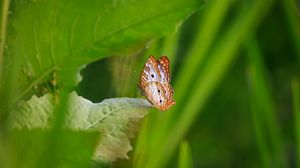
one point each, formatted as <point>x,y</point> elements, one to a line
<point>154,82</point>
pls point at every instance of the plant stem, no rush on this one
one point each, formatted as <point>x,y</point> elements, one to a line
<point>296,104</point>
<point>4,14</point>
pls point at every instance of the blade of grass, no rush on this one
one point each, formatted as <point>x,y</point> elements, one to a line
<point>296,103</point>
<point>257,116</point>
<point>8,85</point>
<point>141,142</point>
<point>52,143</point>
<point>221,58</point>
<point>293,19</point>
<point>4,15</point>
<point>211,21</point>
<point>170,46</point>
<point>259,135</point>
<point>213,17</point>
<point>3,28</point>
<point>265,107</point>
<point>185,156</point>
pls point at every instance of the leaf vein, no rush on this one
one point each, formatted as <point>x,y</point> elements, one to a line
<point>95,27</point>
<point>51,44</point>
<point>101,118</point>
<point>71,35</point>
<point>144,20</point>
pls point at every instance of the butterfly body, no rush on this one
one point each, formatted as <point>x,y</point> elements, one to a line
<point>154,82</point>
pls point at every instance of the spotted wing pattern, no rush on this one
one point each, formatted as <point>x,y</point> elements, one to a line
<point>154,82</point>
<point>150,72</point>
<point>164,68</point>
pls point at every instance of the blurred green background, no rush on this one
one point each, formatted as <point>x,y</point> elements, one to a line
<point>236,75</point>
<point>246,116</point>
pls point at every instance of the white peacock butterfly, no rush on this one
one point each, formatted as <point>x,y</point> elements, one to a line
<point>154,82</point>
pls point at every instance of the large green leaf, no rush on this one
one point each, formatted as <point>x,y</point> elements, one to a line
<point>46,37</point>
<point>116,119</point>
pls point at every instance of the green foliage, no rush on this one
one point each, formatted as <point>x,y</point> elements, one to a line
<point>172,128</point>
<point>266,127</point>
<point>116,119</point>
<point>29,149</point>
<point>232,64</point>
<point>48,42</point>
<point>185,156</point>
<point>65,35</point>
<point>296,104</point>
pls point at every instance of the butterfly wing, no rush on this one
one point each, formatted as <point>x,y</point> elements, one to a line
<point>168,91</point>
<point>164,68</point>
<point>154,93</point>
<point>150,72</point>
<point>154,82</point>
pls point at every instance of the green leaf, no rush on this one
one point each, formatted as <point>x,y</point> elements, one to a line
<point>29,148</point>
<point>116,119</point>
<point>295,86</point>
<point>50,36</point>
<point>185,156</point>
<point>266,125</point>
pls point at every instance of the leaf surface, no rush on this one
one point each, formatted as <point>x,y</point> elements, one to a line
<point>117,120</point>
<point>46,37</point>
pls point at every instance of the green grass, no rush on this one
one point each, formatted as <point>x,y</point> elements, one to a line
<point>167,133</point>
<point>265,120</point>
<point>296,105</point>
<point>185,156</point>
